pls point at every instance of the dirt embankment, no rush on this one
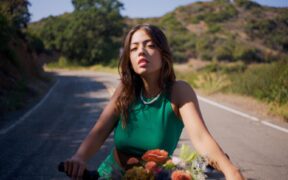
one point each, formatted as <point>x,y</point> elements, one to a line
<point>22,78</point>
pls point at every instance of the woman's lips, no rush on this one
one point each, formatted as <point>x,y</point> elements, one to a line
<point>142,62</point>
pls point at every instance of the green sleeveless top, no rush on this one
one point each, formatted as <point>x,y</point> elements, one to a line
<point>150,126</point>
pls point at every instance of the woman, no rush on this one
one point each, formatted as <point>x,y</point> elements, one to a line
<point>148,110</point>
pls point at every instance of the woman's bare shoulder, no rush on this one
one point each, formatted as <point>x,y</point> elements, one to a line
<point>182,92</point>
<point>180,87</point>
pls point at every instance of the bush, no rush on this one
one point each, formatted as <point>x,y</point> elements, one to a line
<point>179,57</point>
<point>204,43</point>
<point>227,12</point>
<point>226,68</point>
<point>214,28</point>
<point>247,53</point>
<point>224,52</point>
<point>266,82</point>
<point>171,24</point>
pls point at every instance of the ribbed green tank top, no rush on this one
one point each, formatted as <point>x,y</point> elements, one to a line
<point>153,126</point>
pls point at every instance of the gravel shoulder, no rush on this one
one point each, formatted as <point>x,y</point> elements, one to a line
<point>247,105</point>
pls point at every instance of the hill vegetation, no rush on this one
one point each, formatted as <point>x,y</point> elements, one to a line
<point>225,31</point>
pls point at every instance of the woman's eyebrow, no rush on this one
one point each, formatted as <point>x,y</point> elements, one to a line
<point>145,41</point>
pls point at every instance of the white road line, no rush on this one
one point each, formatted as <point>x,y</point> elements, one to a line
<point>242,114</point>
<point>4,131</point>
<point>274,126</point>
<point>228,109</point>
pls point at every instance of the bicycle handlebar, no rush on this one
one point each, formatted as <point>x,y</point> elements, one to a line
<point>87,175</point>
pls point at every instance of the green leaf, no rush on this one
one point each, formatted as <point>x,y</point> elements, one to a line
<point>169,165</point>
<point>186,154</point>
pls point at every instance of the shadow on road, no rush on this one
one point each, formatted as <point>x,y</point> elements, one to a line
<point>54,131</point>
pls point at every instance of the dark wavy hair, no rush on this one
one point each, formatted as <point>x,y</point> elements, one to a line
<point>132,83</point>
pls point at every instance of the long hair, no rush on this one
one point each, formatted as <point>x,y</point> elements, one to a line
<point>132,83</point>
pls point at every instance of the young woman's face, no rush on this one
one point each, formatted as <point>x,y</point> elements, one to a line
<point>145,57</point>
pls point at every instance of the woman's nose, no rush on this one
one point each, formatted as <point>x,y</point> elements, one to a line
<point>141,50</point>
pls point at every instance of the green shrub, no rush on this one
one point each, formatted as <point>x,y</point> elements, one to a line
<point>204,43</point>
<point>247,53</point>
<point>267,82</point>
<point>170,23</point>
<point>214,28</point>
<point>224,52</point>
<point>179,57</point>
<point>226,68</point>
<point>206,56</point>
<point>227,12</point>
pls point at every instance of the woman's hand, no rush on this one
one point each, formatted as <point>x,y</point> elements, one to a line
<point>74,167</point>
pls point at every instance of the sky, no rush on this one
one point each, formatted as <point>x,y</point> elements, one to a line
<point>132,8</point>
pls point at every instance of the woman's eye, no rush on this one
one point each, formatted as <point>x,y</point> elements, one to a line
<point>133,49</point>
<point>151,46</point>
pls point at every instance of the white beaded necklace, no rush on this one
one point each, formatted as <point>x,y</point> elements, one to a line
<point>150,102</point>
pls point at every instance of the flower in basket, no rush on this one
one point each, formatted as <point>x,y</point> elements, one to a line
<point>156,155</point>
<point>138,172</point>
<point>157,165</point>
<point>180,175</point>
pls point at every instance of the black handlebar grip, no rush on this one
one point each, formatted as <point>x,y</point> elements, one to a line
<point>61,167</point>
<point>87,175</point>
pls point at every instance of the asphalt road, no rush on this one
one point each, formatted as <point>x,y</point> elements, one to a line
<point>32,148</point>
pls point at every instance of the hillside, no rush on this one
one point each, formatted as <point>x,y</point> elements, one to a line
<point>22,78</point>
<point>222,30</point>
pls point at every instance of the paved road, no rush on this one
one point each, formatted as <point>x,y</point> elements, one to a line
<point>259,151</point>
<point>51,133</point>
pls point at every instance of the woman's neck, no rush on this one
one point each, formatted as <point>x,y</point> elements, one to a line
<point>150,87</point>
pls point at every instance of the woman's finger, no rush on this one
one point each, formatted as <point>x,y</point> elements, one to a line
<point>65,166</point>
<point>81,170</point>
<point>70,168</point>
<point>75,168</point>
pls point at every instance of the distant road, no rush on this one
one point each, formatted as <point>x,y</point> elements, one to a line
<point>51,132</point>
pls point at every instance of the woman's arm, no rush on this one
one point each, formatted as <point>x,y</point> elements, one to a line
<point>96,137</point>
<point>204,143</point>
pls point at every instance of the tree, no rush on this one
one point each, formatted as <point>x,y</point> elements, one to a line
<point>90,36</point>
<point>103,5</point>
<point>16,12</point>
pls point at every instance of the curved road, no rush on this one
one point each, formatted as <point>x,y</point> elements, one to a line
<point>32,147</point>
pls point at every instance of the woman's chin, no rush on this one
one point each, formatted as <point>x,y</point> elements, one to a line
<point>141,71</point>
<point>144,72</point>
